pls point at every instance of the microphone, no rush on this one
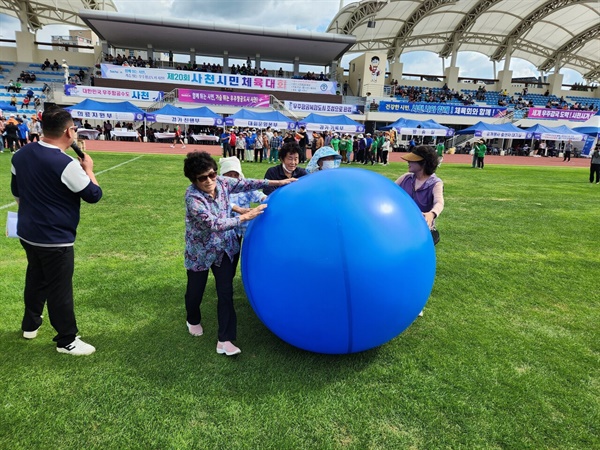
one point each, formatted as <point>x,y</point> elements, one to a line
<point>77,150</point>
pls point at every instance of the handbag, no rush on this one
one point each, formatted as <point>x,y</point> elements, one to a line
<point>435,234</point>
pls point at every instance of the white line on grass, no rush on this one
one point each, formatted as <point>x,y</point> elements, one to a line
<point>101,172</point>
<point>119,165</point>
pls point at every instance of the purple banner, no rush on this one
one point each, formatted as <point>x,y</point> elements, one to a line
<point>224,98</point>
<point>565,114</point>
<point>441,108</point>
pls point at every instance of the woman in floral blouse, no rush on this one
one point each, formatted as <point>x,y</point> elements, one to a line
<point>211,242</point>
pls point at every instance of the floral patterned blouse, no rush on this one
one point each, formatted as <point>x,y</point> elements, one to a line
<point>244,200</point>
<point>209,227</point>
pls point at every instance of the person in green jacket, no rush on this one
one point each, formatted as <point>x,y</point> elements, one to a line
<point>440,152</point>
<point>378,147</point>
<point>335,142</point>
<point>480,150</point>
<point>344,143</point>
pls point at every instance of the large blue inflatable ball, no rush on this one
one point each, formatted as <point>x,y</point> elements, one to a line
<point>341,261</point>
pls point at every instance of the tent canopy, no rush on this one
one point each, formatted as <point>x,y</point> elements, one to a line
<point>562,133</point>
<point>590,131</point>
<point>341,123</point>
<point>92,109</point>
<point>590,127</point>
<point>419,127</point>
<point>190,116</point>
<point>252,119</point>
<point>492,130</point>
<point>402,123</point>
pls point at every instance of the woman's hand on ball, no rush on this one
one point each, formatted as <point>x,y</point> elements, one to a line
<point>239,209</point>
<point>254,212</point>
<point>429,217</point>
<point>284,182</point>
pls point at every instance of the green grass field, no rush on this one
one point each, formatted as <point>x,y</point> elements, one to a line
<point>506,356</point>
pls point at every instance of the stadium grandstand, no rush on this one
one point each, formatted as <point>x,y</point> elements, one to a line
<point>153,62</point>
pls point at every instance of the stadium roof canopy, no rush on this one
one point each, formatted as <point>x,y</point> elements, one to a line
<point>35,14</point>
<point>547,33</point>
<point>211,39</point>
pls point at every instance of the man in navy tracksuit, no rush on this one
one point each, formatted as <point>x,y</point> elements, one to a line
<point>48,185</point>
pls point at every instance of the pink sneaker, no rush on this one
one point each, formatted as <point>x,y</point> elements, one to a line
<point>228,348</point>
<point>195,330</point>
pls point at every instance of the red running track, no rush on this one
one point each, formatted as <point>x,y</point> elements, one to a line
<point>165,149</point>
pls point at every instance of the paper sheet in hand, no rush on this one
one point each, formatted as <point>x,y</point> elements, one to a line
<point>11,224</point>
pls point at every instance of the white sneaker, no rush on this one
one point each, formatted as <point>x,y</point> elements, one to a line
<point>421,313</point>
<point>183,146</point>
<point>227,348</point>
<point>172,146</point>
<point>195,330</point>
<point>31,334</point>
<point>77,347</point>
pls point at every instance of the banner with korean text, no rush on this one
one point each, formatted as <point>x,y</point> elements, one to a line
<point>497,134</point>
<point>556,114</point>
<point>113,93</point>
<point>224,98</point>
<point>186,77</point>
<point>313,107</point>
<point>441,109</point>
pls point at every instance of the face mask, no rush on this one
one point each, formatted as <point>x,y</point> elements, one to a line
<point>328,165</point>
<point>286,169</point>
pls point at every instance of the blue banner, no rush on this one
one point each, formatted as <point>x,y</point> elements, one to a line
<point>441,109</point>
<point>587,147</point>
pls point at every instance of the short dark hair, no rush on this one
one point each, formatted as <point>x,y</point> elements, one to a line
<point>430,158</point>
<point>289,148</point>
<point>196,163</point>
<point>54,122</point>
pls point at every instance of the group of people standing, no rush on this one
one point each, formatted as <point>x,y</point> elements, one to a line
<point>252,145</point>
<point>371,149</point>
<point>218,206</point>
<point>18,131</point>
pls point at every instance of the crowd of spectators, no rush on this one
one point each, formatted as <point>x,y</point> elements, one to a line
<point>235,69</point>
<point>516,101</point>
<point>425,94</point>
<point>18,130</point>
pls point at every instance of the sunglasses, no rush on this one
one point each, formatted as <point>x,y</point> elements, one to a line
<point>202,178</point>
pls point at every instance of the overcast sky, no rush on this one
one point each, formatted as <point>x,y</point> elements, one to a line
<point>310,15</point>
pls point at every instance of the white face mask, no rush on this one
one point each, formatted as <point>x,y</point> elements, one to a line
<point>328,165</point>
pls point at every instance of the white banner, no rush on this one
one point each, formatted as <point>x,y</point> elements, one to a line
<point>113,93</point>
<point>312,107</point>
<point>333,127</point>
<point>260,124</point>
<point>219,80</point>
<point>422,131</point>
<point>164,118</point>
<point>560,137</point>
<point>504,134</point>
<point>102,115</point>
